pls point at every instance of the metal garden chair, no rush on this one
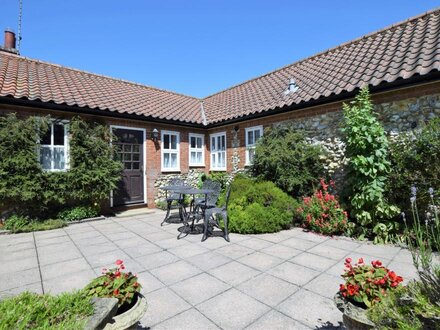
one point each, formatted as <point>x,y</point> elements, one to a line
<point>211,218</point>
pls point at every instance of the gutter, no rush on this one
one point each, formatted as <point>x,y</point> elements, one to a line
<point>94,112</point>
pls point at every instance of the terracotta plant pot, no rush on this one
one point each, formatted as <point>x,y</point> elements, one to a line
<point>130,317</point>
<point>354,317</point>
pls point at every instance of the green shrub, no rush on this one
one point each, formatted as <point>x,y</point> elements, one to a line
<point>258,207</point>
<point>284,156</point>
<point>32,311</point>
<point>79,213</point>
<point>409,308</point>
<point>368,167</point>
<point>415,161</point>
<point>15,222</point>
<point>24,224</point>
<point>322,213</point>
<point>27,189</point>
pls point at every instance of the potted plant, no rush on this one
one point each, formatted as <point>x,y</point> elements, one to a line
<point>364,286</point>
<point>114,283</point>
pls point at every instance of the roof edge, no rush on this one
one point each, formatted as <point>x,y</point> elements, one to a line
<point>353,41</point>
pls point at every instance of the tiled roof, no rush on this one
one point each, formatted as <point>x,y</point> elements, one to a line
<point>35,80</point>
<point>399,51</point>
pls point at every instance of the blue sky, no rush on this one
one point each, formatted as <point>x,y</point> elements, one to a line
<point>195,47</point>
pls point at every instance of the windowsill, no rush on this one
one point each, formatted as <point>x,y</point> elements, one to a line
<point>168,170</point>
<point>217,169</point>
<point>46,170</point>
<point>196,165</point>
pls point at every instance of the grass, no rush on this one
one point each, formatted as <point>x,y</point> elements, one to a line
<point>33,311</point>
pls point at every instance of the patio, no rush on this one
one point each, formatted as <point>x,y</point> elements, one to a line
<point>278,281</point>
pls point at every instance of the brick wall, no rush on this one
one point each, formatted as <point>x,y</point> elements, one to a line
<point>390,104</point>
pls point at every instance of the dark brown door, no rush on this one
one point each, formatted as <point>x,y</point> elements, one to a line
<point>130,152</point>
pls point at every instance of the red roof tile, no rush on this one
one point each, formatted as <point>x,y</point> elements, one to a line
<point>400,51</point>
<point>35,80</point>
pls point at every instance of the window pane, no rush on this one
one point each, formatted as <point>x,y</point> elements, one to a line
<point>213,148</point>
<point>166,160</point>
<point>257,134</point>
<point>213,160</point>
<point>59,163</point>
<point>192,142</point>
<point>136,166</point>
<point>222,162</point>
<point>199,143</point>
<point>193,158</point>
<point>166,141</point>
<point>127,157</point>
<point>127,148</point>
<point>136,148</point>
<point>45,158</point>
<point>45,139</point>
<point>199,157</point>
<point>174,142</point>
<point>250,137</point>
<point>127,165</point>
<point>223,142</point>
<point>173,160</point>
<point>58,134</point>
<point>136,157</point>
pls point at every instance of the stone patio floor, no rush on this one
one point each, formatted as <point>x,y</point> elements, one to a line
<point>272,281</point>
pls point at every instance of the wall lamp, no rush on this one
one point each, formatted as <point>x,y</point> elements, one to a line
<point>155,135</point>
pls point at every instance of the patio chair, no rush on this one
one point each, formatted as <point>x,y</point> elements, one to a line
<point>211,218</point>
<point>199,202</point>
<point>174,197</point>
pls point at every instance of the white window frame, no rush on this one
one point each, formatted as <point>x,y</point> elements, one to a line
<point>202,149</point>
<point>170,151</point>
<point>51,146</point>
<point>213,167</point>
<point>251,146</point>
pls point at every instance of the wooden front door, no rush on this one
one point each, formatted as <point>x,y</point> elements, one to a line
<point>130,152</point>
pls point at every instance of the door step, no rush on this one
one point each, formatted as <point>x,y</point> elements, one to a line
<point>133,212</point>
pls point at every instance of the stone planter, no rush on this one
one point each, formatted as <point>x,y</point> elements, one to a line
<point>129,318</point>
<point>354,317</point>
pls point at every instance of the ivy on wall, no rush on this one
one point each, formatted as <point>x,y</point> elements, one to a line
<point>27,189</point>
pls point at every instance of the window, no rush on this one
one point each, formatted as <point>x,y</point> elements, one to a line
<point>170,151</point>
<point>218,152</point>
<point>196,150</point>
<point>252,136</point>
<point>53,151</point>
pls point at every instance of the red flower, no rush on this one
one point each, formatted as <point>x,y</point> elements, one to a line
<point>119,262</point>
<point>117,273</point>
<point>341,287</point>
<point>136,284</point>
<point>382,281</point>
<point>352,289</point>
<point>376,263</point>
<point>348,260</point>
<point>360,261</point>
<point>115,292</point>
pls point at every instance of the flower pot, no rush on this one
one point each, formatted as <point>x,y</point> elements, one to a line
<point>130,317</point>
<point>354,317</point>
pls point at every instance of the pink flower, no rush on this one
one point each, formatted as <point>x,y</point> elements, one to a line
<point>119,262</point>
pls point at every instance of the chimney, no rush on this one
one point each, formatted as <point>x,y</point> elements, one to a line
<point>9,42</point>
<point>9,39</point>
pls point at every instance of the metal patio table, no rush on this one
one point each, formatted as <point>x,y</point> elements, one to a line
<point>191,215</point>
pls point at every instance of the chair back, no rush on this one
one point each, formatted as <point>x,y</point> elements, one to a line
<point>212,198</point>
<point>175,182</point>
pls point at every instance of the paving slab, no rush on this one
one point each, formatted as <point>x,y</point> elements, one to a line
<point>233,309</point>
<point>284,280</point>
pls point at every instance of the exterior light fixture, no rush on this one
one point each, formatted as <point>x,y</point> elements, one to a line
<point>155,135</point>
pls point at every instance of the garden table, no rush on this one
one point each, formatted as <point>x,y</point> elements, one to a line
<point>191,215</point>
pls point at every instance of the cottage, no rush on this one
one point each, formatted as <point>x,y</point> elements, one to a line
<point>165,134</point>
